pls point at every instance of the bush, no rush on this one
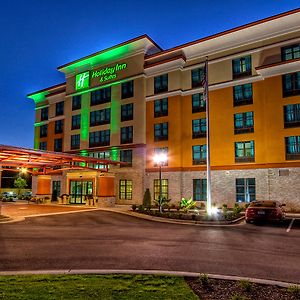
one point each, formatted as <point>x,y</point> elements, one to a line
<point>147,199</point>
<point>246,285</point>
<point>236,209</point>
<point>295,290</point>
<point>141,208</point>
<point>134,207</point>
<point>187,204</point>
<point>204,280</point>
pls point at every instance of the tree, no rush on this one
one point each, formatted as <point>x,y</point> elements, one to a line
<point>20,183</point>
<point>147,199</point>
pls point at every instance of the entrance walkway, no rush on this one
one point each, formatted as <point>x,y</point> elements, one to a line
<point>20,210</point>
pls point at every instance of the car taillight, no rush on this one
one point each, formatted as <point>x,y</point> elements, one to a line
<point>250,211</point>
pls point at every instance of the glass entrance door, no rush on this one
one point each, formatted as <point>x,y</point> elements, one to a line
<point>79,189</point>
<point>55,190</point>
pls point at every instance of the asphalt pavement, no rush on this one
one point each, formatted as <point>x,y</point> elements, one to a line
<point>107,240</point>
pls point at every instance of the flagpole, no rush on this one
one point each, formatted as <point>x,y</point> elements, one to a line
<point>208,173</point>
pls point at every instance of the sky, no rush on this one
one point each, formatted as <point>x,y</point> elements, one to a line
<point>38,36</point>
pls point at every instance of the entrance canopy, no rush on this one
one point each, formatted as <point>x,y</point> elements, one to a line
<point>48,162</point>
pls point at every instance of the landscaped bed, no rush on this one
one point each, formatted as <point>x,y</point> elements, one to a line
<point>193,215</point>
<point>216,289</point>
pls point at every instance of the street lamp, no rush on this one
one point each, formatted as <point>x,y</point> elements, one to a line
<point>160,159</point>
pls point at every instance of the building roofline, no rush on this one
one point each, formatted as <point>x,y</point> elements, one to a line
<point>48,89</point>
<point>111,48</point>
<point>222,33</point>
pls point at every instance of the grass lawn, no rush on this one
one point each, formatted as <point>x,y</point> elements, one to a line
<point>94,287</point>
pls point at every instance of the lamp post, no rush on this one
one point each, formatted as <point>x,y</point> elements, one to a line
<point>160,159</point>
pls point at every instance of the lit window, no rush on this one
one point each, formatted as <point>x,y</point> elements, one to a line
<point>244,151</point>
<point>125,189</point>
<point>164,188</point>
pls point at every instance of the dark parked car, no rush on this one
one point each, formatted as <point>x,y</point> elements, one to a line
<point>265,211</point>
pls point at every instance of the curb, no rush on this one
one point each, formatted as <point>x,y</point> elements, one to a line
<point>148,272</point>
<point>180,222</point>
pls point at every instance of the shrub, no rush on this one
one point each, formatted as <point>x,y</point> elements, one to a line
<point>294,289</point>
<point>187,204</point>
<point>204,280</point>
<point>224,209</point>
<point>134,207</point>
<point>163,202</point>
<point>236,209</point>
<point>141,208</point>
<point>147,199</point>
<point>246,285</point>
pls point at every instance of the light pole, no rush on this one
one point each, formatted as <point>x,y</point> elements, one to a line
<point>160,159</point>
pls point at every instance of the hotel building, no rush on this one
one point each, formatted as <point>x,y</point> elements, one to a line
<point>135,99</point>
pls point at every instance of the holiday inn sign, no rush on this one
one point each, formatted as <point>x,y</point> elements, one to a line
<point>105,74</point>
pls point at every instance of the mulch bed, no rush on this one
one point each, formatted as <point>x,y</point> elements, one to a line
<point>217,289</point>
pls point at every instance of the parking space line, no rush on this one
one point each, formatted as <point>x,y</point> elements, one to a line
<point>290,226</point>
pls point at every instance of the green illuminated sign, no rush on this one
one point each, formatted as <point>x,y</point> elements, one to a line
<point>82,80</point>
<point>109,73</point>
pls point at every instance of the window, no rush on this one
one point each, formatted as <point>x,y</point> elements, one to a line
<point>57,145</point>
<point>290,52</point>
<point>197,77</point>
<point>242,94</point>
<point>101,96</point>
<point>75,122</point>
<point>199,154</point>
<point>127,135</point>
<point>43,130</point>
<point>44,113</point>
<point>241,67</point>
<point>292,147</point>
<point>102,155</point>
<point>59,126</point>
<point>198,103</point>
<point>43,146</point>
<point>99,138</point>
<point>76,102</point>
<point>199,189</point>
<point>127,112</point>
<point>164,188</point>
<point>127,89</point>
<point>75,141</point>
<point>161,132</point>
<point>244,151</point>
<point>59,108</point>
<point>199,128</point>
<point>100,117</point>
<point>245,189</point>
<point>292,115</point>
<point>161,107</point>
<point>243,122</point>
<point>291,84</point>
<point>125,189</point>
<point>163,150</point>
<point>161,84</point>
<point>126,156</point>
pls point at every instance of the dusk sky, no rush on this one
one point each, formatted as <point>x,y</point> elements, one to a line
<point>39,36</point>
